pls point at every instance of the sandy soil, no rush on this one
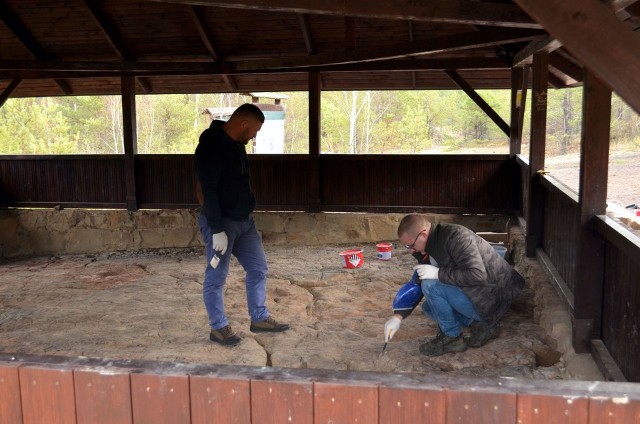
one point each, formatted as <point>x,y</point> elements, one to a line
<point>148,305</point>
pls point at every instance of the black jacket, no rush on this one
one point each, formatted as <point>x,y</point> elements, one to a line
<point>222,167</point>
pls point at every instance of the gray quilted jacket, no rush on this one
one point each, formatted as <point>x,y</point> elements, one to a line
<point>468,261</point>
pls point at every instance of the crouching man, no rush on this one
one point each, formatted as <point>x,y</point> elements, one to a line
<point>465,283</point>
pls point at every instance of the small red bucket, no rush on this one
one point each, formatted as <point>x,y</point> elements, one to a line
<point>384,251</point>
<point>352,258</point>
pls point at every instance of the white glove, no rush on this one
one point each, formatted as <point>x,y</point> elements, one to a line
<point>427,272</point>
<point>390,328</point>
<point>220,242</point>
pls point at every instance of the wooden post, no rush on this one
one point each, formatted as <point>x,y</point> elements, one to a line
<point>130,139</point>
<point>536,151</point>
<point>515,140</point>
<point>594,167</point>
<point>314,142</point>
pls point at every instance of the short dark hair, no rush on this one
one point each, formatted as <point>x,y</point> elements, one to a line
<point>248,110</point>
<point>411,225</point>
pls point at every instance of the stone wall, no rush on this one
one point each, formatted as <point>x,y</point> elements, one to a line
<point>35,232</point>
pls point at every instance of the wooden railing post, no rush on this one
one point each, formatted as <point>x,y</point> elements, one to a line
<point>594,166</point>
<point>314,142</point>
<point>535,197</point>
<point>130,136</point>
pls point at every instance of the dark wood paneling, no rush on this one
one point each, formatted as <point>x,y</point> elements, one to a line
<point>472,183</point>
<point>560,228</point>
<point>76,180</point>
<point>621,296</point>
<point>165,181</point>
<point>280,182</point>
<point>10,405</point>
<point>160,398</point>
<point>281,402</point>
<point>103,398</point>
<point>217,400</point>
<point>613,411</point>
<point>411,406</point>
<point>47,395</point>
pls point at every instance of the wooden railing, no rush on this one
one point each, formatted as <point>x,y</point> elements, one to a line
<point>375,183</point>
<point>56,390</point>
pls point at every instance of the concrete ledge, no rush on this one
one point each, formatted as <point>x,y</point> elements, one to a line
<point>36,232</point>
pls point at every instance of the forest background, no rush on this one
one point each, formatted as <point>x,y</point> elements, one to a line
<point>358,122</point>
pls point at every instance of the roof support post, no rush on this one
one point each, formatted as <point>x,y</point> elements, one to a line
<point>594,167</point>
<point>518,95</point>
<point>314,142</point>
<point>130,139</point>
<point>535,196</point>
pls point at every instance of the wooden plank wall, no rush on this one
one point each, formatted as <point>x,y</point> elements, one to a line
<point>621,301</point>
<point>560,228</point>
<point>70,180</point>
<point>447,183</point>
<point>37,390</point>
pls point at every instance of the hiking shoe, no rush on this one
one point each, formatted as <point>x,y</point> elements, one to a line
<point>442,344</point>
<point>481,333</point>
<point>225,336</point>
<point>269,325</point>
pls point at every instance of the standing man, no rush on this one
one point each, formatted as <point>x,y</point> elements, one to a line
<point>465,282</point>
<point>226,221</point>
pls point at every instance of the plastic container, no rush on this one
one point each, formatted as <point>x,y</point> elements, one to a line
<point>501,249</point>
<point>352,258</point>
<point>384,251</point>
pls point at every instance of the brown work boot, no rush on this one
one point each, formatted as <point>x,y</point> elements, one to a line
<point>269,325</point>
<point>225,336</point>
<point>443,344</point>
<point>481,333</point>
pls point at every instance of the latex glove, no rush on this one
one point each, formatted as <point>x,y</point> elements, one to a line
<point>391,327</point>
<point>220,242</point>
<point>427,272</point>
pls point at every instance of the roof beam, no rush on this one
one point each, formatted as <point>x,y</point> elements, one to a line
<point>478,100</point>
<point>111,34</point>
<point>17,27</point>
<point>304,27</point>
<point>39,69</point>
<point>450,11</point>
<point>566,66</point>
<point>475,39</point>
<point>203,30</point>
<point>525,56</point>
<point>593,34</point>
<point>6,93</point>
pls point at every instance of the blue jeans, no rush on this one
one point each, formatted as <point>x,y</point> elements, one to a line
<point>246,245</point>
<point>449,306</point>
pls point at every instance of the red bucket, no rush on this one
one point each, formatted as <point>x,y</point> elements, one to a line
<point>384,251</point>
<point>352,258</point>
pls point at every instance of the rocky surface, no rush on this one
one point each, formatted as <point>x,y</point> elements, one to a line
<point>148,305</point>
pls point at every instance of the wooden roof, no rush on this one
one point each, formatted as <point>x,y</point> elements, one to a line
<point>80,47</point>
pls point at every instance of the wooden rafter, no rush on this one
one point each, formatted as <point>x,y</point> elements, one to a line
<point>22,33</point>
<point>201,26</point>
<point>566,66</point>
<point>525,56</point>
<point>490,37</point>
<point>478,100</point>
<point>450,11</point>
<point>306,34</point>
<point>6,93</point>
<point>594,35</point>
<point>111,34</point>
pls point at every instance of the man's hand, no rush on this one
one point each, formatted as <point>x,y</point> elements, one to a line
<point>427,272</point>
<point>220,242</point>
<point>391,327</point>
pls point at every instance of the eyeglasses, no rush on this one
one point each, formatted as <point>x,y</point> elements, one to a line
<point>410,246</point>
